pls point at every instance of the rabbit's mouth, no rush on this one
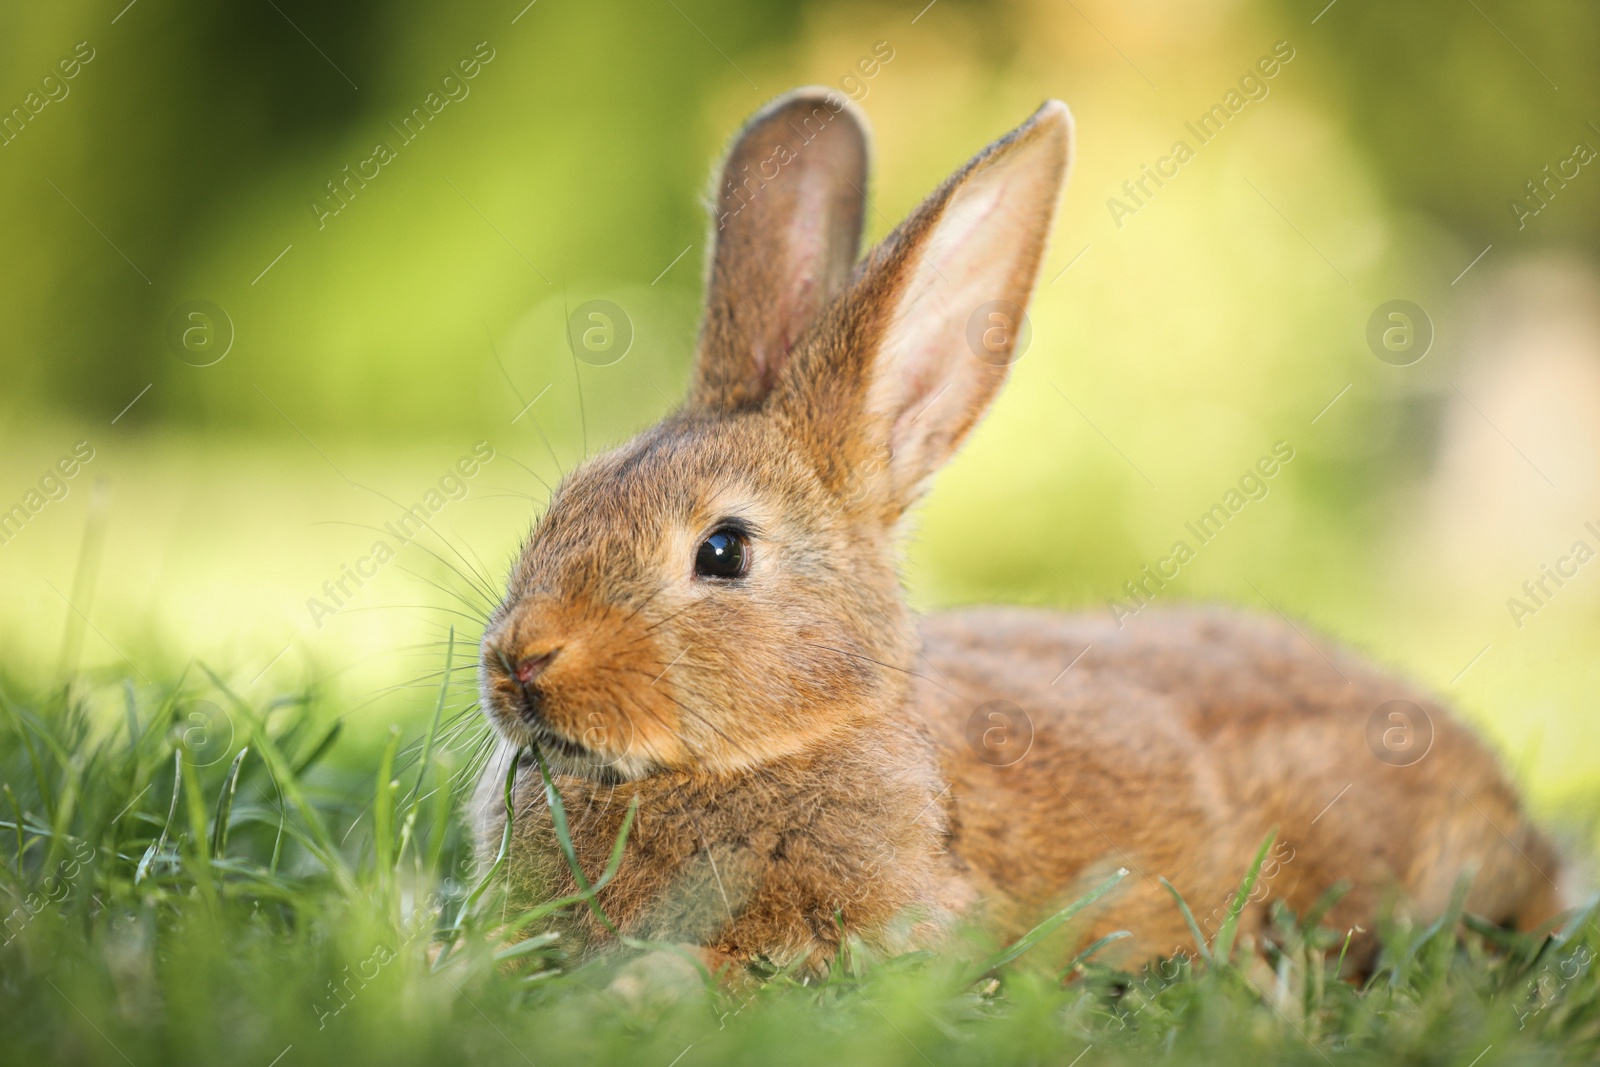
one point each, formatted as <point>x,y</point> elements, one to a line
<point>519,716</point>
<point>522,715</point>
<point>540,731</point>
<point>564,755</point>
<point>517,719</point>
<point>550,741</point>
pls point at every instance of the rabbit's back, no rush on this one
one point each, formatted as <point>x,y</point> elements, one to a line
<point>1174,745</point>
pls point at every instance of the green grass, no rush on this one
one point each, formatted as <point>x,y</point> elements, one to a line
<point>192,876</point>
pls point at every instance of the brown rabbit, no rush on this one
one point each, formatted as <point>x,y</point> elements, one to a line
<point>708,620</point>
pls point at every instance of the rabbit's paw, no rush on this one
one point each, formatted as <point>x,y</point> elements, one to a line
<point>668,974</point>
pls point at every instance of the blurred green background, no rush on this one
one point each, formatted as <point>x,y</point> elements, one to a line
<point>1173,345</point>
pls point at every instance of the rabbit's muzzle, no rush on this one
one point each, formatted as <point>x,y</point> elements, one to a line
<point>514,699</point>
<point>518,705</point>
<point>582,684</point>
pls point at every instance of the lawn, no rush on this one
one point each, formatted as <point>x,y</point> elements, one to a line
<point>196,877</point>
<point>231,801</point>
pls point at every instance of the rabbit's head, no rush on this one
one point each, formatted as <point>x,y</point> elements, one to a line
<point>721,591</point>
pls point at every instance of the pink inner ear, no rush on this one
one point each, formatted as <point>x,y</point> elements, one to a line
<point>925,383</point>
<point>803,248</point>
<point>929,385</point>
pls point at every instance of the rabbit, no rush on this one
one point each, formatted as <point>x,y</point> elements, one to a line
<point>707,623</point>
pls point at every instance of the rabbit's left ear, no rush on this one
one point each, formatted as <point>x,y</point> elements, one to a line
<point>786,228</point>
<point>904,365</point>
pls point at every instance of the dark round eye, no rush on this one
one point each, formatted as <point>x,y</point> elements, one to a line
<point>724,554</point>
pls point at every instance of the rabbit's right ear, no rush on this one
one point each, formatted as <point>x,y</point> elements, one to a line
<point>894,375</point>
<point>786,231</point>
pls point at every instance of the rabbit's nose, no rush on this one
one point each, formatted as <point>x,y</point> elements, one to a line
<point>530,667</point>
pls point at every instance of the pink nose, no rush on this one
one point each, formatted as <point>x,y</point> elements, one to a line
<point>530,667</point>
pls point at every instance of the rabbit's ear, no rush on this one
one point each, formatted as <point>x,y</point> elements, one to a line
<point>786,229</point>
<point>903,367</point>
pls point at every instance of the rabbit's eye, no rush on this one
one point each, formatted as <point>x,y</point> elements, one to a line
<point>725,554</point>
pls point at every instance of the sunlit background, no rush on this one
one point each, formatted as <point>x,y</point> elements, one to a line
<point>1438,153</point>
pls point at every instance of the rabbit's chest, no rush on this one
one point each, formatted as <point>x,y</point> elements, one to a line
<point>776,869</point>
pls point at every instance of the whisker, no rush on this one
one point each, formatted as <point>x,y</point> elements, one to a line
<point>431,529</point>
<point>445,590</point>
<point>471,580</point>
<point>549,489</point>
<point>420,607</point>
<point>534,418</point>
<point>635,612</point>
<point>869,659</point>
<point>510,494</point>
<point>658,624</point>
<point>691,712</point>
<point>480,584</point>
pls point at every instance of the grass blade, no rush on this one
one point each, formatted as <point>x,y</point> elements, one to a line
<point>230,785</point>
<point>46,794</point>
<point>1223,948</point>
<point>199,841</point>
<point>132,710</point>
<point>16,813</point>
<point>438,714</point>
<point>305,763</point>
<point>528,947</point>
<point>1089,953</point>
<point>1028,940</point>
<point>287,781</point>
<point>613,862</point>
<point>1188,917</point>
<point>495,867</point>
<point>383,808</point>
<point>159,844</point>
<point>558,818</point>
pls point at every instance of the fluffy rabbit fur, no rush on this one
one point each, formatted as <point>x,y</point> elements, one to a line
<point>801,746</point>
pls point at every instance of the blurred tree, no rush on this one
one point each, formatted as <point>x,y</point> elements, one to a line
<point>1462,105</point>
<point>169,136</point>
